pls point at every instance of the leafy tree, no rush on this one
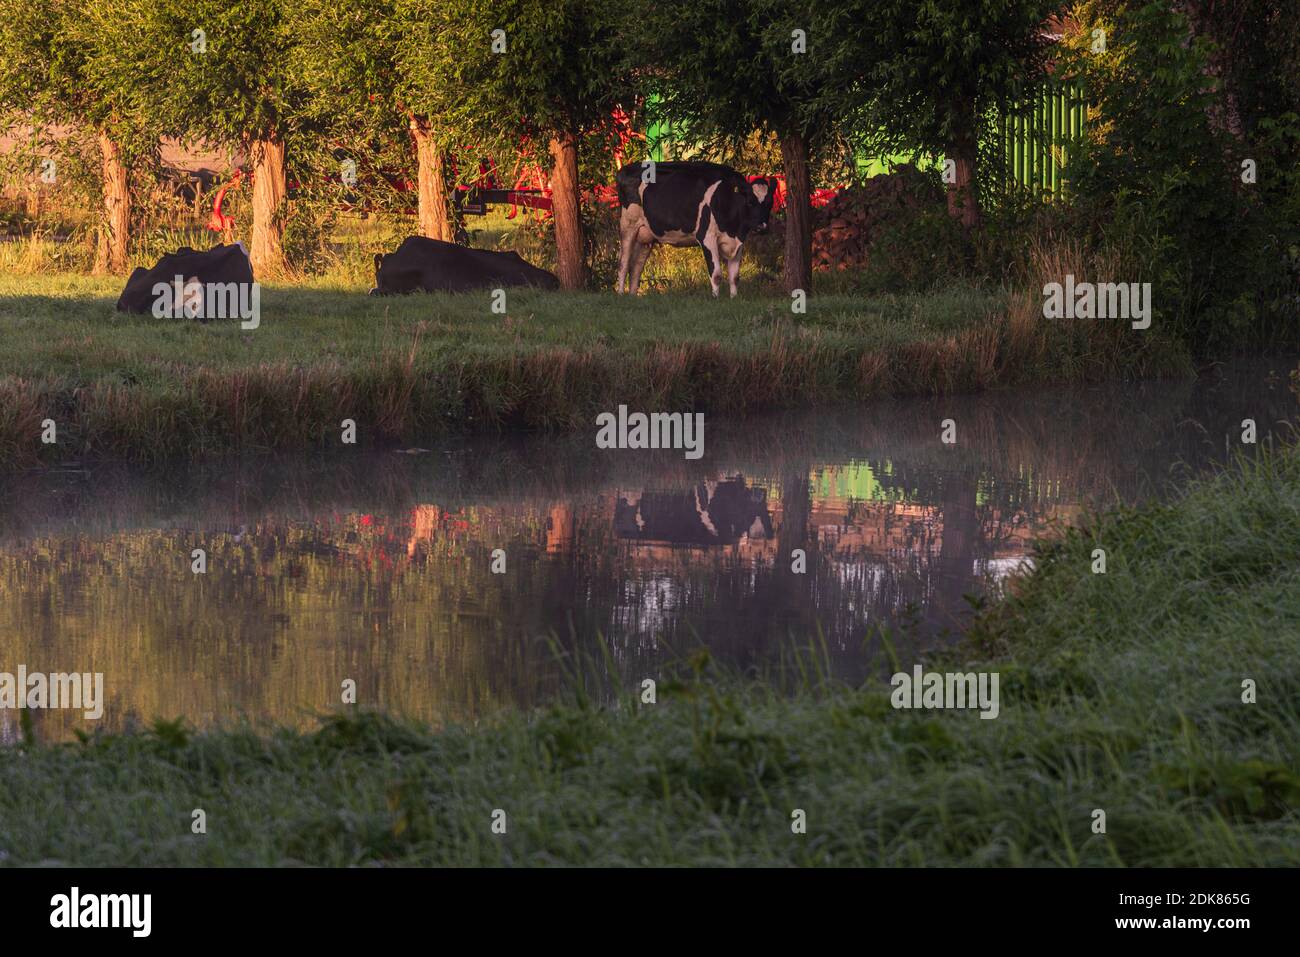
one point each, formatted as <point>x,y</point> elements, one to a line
<point>50,54</point>
<point>352,58</point>
<point>551,71</point>
<point>933,72</point>
<point>221,72</point>
<point>1197,189</point>
<point>730,67</point>
<point>1254,54</point>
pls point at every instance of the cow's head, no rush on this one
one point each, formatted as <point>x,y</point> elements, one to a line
<point>758,204</point>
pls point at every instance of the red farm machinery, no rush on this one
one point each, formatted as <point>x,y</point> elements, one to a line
<point>529,187</point>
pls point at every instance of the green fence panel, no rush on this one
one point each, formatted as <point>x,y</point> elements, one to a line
<point>1036,136</point>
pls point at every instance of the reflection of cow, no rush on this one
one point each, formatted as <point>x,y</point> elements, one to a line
<point>711,513</point>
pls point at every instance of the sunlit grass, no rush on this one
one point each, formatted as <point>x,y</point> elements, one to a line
<point>408,368</point>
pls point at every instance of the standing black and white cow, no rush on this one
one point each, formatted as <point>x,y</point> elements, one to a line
<point>688,204</point>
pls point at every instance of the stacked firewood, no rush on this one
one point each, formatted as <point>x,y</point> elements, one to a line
<point>844,229</point>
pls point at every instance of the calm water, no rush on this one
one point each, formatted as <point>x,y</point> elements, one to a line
<point>377,568</point>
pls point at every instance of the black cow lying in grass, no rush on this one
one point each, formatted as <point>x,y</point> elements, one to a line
<point>429,265</point>
<point>216,283</point>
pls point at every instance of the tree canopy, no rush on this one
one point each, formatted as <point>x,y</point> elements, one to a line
<point>540,73</point>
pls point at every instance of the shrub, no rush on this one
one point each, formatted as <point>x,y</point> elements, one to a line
<point>1159,181</point>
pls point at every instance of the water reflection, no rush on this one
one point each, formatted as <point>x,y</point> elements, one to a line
<point>379,569</point>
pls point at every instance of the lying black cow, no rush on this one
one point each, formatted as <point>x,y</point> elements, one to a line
<point>430,265</point>
<point>214,283</point>
<point>689,203</point>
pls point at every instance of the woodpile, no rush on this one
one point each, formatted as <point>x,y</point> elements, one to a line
<point>844,229</point>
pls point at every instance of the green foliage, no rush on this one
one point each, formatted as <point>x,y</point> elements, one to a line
<point>66,203</point>
<point>171,734</point>
<point>728,70</point>
<point>307,227</point>
<point>1255,55</point>
<point>231,85</point>
<point>365,732</point>
<point>562,69</point>
<point>58,69</point>
<point>1160,182</point>
<point>348,58</point>
<point>931,70</point>
<point>567,736</point>
<point>916,254</point>
<point>61,84</point>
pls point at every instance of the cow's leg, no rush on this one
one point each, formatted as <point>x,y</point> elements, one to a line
<point>733,269</point>
<point>713,260</point>
<point>628,226</point>
<point>708,265</point>
<point>640,254</point>
<point>706,234</point>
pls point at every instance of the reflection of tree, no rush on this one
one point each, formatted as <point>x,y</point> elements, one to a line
<point>952,574</point>
<point>559,530</point>
<point>281,617</point>
<point>424,519</point>
<point>789,602</point>
<point>380,570</point>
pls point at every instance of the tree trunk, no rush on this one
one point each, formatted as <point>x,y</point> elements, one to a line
<point>953,573</point>
<point>793,595</point>
<point>564,205</point>
<point>797,271</point>
<point>435,223</point>
<point>963,205</point>
<point>111,255</point>
<point>269,191</point>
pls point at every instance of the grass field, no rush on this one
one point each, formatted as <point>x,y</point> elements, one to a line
<point>1121,692</point>
<point>410,368</point>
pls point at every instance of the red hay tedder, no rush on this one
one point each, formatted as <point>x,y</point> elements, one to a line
<point>531,189</point>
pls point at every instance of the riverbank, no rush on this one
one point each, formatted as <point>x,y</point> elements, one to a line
<point>407,369</point>
<point>1120,692</point>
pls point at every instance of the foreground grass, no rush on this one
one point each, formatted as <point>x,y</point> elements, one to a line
<point>408,368</point>
<point>1119,691</point>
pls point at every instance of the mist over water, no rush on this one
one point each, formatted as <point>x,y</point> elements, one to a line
<point>376,566</point>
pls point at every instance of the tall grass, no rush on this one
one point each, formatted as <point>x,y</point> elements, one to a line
<point>40,252</point>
